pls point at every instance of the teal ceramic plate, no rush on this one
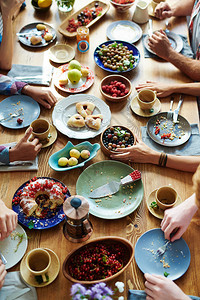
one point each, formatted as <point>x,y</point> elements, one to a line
<point>53,160</point>
<point>120,204</point>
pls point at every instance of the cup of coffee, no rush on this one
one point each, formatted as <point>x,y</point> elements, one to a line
<point>154,3</point>
<point>166,197</point>
<point>41,129</point>
<point>38,262</point>
<point>146,99</point>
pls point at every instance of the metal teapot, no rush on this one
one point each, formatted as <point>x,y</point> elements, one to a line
<point>77,227</point>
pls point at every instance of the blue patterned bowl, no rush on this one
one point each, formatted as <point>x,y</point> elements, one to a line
<point>53,160</point>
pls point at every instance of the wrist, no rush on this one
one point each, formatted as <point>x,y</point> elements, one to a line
<point>26,89</point>
<point>153,158</point>
<point>12,154</point>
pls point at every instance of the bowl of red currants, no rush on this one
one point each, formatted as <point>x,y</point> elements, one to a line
<point>122,5</point>
<point>116,137</point>
<point>99,260</point>
<point>115,88</point>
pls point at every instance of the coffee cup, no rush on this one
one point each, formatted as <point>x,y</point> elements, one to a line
<point>166,197</point>
<point>41,129</point>
<point>38,262</point>
<point>146,99</point>
<point>154,3</point>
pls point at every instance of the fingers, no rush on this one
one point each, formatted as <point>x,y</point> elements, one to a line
<point>38,147</point>
<point>44,103</point>
<point>35,141</point>
<point>27,134</point>
<point>123,157</point>
<point>3,230</point>
<point>2,273</point>
<point>48,99</point>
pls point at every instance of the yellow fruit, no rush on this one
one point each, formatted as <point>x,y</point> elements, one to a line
<point>63,161</point>
<point>44,3</point>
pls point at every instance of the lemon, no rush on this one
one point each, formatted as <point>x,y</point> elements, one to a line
<point>44,3</point>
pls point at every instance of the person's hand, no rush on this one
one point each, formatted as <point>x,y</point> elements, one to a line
<point>25,150</point>
<point>10,7</point>
<point>139,153</point>
<point>3,273</point>
<point>160,44</point>
<point>158,287</point>
<point>163,10</point>
<point>43,96</point>
<point>8,221</point>
<point>162,89</point>
<point>177,219</point>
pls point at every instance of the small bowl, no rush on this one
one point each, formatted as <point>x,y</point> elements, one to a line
<point>107,151</point>
<point>39,9</point>
<point>121,7</point>
<point>166,197</point>
<point>106,80</point>
<point>53,160</point>
<point>111,240</point>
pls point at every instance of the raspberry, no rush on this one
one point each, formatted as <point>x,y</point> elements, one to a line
<point>19,121</point>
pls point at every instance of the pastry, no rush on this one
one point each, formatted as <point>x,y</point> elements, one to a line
<point>94,121</point>
<point>35,40</point>
<point>48,37</point>
<point>76,121</point>
<point>85,108</point>
<point>41,27</point>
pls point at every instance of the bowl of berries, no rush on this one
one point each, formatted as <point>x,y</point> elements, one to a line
<point>115,88</point>
<point>122,5</point>
<point>116,137</point>
<point>99,260</point>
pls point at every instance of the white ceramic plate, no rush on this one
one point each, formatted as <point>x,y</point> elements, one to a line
<point>66,108</point>
<point>9,247</point>
<point>61,53</point>
<point>127,31</point>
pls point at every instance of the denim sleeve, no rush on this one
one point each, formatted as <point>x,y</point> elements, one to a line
<point>4,155</point>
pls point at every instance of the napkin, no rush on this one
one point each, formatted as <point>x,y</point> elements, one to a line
<point>32,74</point>
<point>141,295</point>
<point>186,51</point>
<point>191,147</point>
<point>14,283</point>
<point>31,165</point>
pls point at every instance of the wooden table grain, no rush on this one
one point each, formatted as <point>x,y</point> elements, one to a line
<point>134,225</point>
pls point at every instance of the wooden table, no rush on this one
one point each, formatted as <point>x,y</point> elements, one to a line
<point>134,225</point>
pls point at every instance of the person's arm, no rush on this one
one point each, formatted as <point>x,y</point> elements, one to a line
<point>177,219</point>
<point>8,9</point>
<point>158,287</point>
<point>159,43</point>
<point>165,89</point>
<point>141,153</point>
<point>8,221</point>
<point>3,273</point>
<point>177,8</point>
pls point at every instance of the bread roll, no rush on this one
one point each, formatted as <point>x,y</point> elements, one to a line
<point>35,40</point>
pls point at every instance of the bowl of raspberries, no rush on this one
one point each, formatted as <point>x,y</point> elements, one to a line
<point>122,5</point>
<point>115,88</point>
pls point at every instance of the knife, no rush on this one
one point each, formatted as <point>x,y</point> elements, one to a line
<point>114,186</point>
<point>17,294</point>
<point>176,111</point>
<point>150,30</point>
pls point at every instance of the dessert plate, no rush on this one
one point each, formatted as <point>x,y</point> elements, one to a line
<point>61,53</point>
<point>30,30</point>
<point>83,84</point>
<point>14,246</point>
<point>115,206</point>
<point>66,108</point>
<point>127,30</point>
<point>180,132</point>
<point>30,111</point>
<point>63,27</point>
<point>175,261</point>
<point>33,222</point>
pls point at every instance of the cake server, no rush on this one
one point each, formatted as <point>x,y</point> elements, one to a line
<point>114,186</point>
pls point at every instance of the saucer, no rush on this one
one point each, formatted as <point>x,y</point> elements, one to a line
<point>145,113</point>
<point>53,136</point>
<point>158,213</point>
<point>61,53</point>
<point>52,272</point>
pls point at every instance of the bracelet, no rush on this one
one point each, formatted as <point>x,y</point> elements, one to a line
<point>163,159</point>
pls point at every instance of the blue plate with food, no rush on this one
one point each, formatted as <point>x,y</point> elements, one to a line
<point>117,56</point>
<point>129,31</point>
<point>71,157</point>
<point>39,202</point>
<point>18,111</point>
<point>172,264</point>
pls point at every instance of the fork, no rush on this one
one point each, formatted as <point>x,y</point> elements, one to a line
<point>4,261</point>
<point>170,112</point>
<point>161,250</point>
<point>14,115</point>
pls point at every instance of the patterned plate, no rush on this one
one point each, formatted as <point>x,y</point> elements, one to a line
<point>83,84</point>
<point>38,223</point>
